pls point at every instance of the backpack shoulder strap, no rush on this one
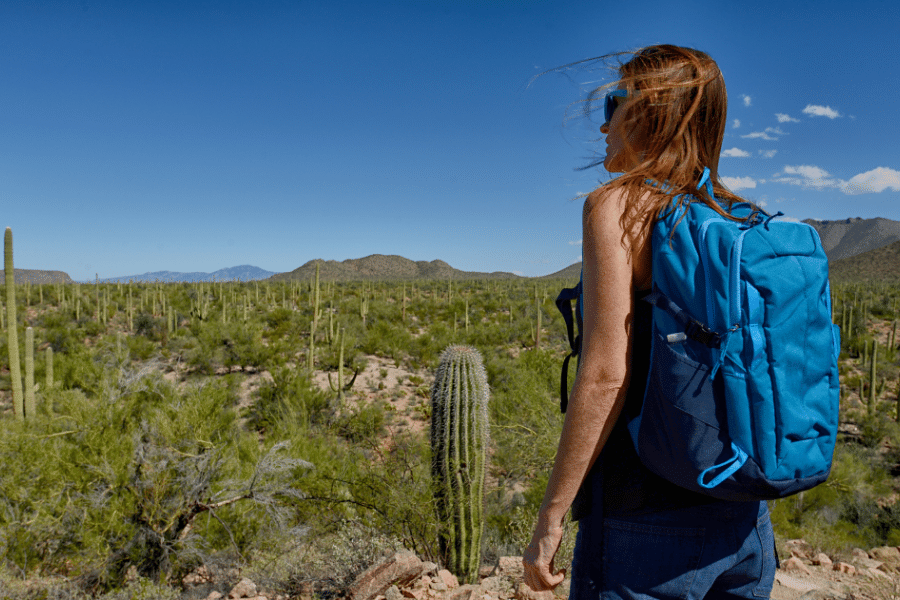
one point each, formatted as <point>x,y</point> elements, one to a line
<point>564,304</point>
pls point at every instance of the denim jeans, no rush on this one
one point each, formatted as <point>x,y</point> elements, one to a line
<point>715,551</point>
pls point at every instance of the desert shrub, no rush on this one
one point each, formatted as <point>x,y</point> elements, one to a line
<point>830,515</point>
<point>387,338</point>
<point>130,471</point>
<point>289,403</point>
<point>148,326</point>
<point>280,320</point>
<point>367,422</point>
<point>524,410</point>
<point>243,346</point>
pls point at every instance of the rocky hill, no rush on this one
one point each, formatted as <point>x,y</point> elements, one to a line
<point>383,268</point>
<point>36,276</point>
<point>851,237</point>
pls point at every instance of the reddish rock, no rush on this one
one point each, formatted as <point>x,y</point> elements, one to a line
<point>416,593</point>
<point>795,565</point>
<point>799,548</point>
<point>399,569</point>
<point>448,578</point>
<point>859,553</point>
<point>889,555</point>
<point>512,568</point>
<point>844,568</point>
<point>466,592</point>
<point>198,577</point>
<point>877,574</point>
<point>244,589</point>
<point>523,592</point>
<point>822,559</point>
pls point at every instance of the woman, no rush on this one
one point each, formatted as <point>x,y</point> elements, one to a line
<point>639,535</point>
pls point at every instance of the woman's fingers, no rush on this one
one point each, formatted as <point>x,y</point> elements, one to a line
<point>538,562</point>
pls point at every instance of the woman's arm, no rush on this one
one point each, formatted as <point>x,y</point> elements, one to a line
<point>598,394</point>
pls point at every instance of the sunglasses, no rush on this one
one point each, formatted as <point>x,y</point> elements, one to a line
<point>613,100</point>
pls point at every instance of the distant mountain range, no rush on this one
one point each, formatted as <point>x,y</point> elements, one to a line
<point>857,249</point>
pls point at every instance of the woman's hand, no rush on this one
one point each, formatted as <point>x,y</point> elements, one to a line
<point>538,560</point>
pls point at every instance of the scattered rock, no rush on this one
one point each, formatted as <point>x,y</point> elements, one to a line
<point>795,565</point>
<point>799,548</point>
<point>244,589</point>
<point>491,585</point>
<point>876,574</point>
<point>511,567</point>
<point>448,578</point>
<point>793,583</point>
<point>822,559</point>
<point>867,563</point>
<point>523,592</point>
<point>466,592</point>
<point>214,596</point>
<point>393,593</point>
<point>889,555</point>
<point>859,553</point>
<point>399,569</point>
<point>844,568</point>
<point>198,577</point>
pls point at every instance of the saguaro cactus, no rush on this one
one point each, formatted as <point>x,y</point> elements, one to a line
<point>459,439</point>
<point>49,373</point>
<point>15,369</point>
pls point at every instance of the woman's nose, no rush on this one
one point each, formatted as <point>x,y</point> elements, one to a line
<point>604,128</point>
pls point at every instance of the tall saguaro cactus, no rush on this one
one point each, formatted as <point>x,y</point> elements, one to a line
<point>459,439</point>
<point>15,369</point>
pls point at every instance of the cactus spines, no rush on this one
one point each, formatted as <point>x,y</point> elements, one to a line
<point>459,439</point>
<point>15,370</point>
<point>29,373</point>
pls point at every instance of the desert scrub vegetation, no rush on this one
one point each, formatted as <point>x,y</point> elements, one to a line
<point>142,457</point>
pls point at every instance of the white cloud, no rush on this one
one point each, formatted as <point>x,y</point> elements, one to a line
<point>768,153</point>
<point>808,171</point>
<point>876,180</point>
<point>775,131</point>
<point>746,99</point>
<point>759,134</point>
<point>783,118</point>
<point>814,110</point>
<point>735,152</point>
<point>578,243</point>
<point>808,176</point>
<point>739,183</point>
<point>736,123</point>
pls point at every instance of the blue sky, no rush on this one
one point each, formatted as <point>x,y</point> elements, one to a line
<point>193,136</point>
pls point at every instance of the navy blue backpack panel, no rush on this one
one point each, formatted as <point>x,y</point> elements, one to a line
<point>742,396</point>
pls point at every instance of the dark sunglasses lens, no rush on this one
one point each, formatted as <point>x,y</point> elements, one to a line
<point>612,103</point>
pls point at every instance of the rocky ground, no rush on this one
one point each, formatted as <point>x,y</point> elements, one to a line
<point>873,575</point>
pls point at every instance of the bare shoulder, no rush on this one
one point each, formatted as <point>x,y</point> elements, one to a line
<point>611,203</point>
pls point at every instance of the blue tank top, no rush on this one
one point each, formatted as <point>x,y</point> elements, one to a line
<point>618,478</point>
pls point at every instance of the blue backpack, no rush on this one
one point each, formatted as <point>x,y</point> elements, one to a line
<point>742,396</point>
